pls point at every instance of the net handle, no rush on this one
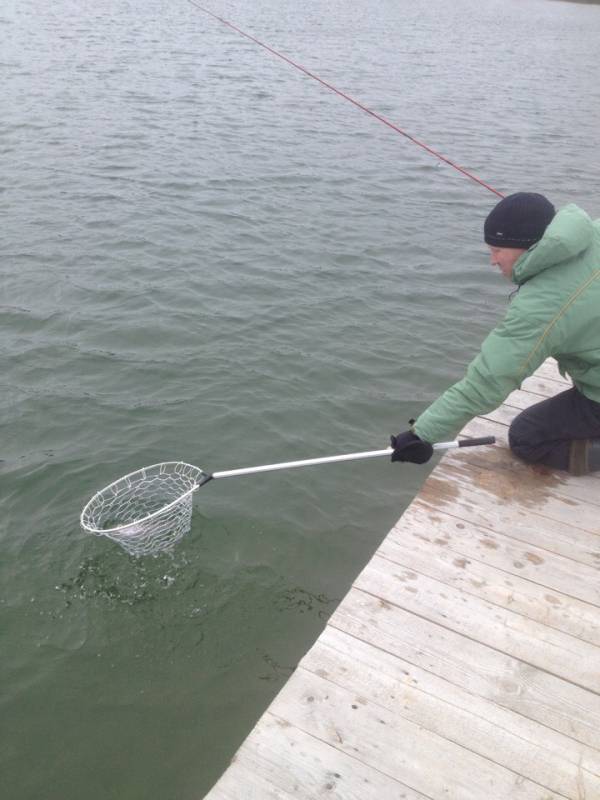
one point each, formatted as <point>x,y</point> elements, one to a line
<point>309,462</point>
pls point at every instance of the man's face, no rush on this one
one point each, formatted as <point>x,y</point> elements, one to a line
<point>504,258</point>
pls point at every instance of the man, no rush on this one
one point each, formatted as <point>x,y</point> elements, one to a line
<point>554,258</point>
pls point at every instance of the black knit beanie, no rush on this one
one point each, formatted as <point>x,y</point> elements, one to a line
<point>518,220</point>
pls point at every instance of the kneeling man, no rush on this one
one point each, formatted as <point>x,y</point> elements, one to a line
<point>554,258</point>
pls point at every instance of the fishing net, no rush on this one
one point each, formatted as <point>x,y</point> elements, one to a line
<point>147,511</point>
<point>150,510</point>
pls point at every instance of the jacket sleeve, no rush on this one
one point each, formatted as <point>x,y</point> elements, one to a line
<point>511,352</point>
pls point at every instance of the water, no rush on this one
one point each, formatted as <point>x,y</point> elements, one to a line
<point>208,257</point>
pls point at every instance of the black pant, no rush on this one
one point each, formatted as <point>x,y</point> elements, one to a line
<point>542,434</point>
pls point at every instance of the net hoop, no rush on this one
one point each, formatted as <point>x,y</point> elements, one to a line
<point>127,480</point>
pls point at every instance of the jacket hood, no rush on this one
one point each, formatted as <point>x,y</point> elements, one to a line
<point>569,234</point>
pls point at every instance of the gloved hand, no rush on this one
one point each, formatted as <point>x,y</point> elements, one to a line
<point>408,447</point>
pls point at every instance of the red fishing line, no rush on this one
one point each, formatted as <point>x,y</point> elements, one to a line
<point>348,98</point>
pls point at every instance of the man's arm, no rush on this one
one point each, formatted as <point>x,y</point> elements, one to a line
<point>511,352</point>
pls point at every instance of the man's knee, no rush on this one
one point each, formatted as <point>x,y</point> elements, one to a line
<point>521,437</point>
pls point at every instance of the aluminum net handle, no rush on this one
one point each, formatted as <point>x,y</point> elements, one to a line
<point>233,473</point>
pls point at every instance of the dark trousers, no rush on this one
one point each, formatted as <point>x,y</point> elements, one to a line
<point>542,434</point>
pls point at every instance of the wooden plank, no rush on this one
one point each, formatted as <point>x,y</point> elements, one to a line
<point>496,423</point>
<point>528,640</point>
<point>549,370</point>
<point>464,662</point>
<point>521,400</point>
<point>525,397</point>
<point>507,738</point>
<point>526,510</point>
<point>550,588</point>
<point>278,761</point>
<point>543,386</point>
<point>369,732</point>
<point>505,413</point>
<point>585,487</point>
<point>244,781</point>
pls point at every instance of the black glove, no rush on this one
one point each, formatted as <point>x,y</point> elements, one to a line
<point>408,447</point>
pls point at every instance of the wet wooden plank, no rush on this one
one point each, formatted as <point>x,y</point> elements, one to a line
<point>500,458</point>
<point>527,508</point>
<point>500,569</point>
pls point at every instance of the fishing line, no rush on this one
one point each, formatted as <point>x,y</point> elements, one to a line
<point>347,97</point>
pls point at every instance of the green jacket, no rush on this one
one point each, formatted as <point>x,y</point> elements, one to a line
<point>555,313</point>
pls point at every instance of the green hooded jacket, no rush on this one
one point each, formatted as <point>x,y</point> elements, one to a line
<point>555,313</point>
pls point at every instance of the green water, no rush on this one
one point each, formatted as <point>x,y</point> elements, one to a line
<point>209,258</point>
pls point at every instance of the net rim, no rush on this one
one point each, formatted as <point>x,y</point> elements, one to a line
<point>120,528</point>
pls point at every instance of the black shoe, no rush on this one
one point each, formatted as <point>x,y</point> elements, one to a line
<point>594,455</point>
<point>584,456</point>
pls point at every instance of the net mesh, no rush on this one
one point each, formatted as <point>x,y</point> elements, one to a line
<point>147,511</point>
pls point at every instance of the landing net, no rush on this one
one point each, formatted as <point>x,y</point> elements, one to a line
<point>147,511</point>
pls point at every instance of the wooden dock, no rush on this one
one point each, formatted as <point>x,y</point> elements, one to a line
<point>464,663</point>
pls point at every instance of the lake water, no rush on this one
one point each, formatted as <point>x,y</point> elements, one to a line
<point>209,257</point>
